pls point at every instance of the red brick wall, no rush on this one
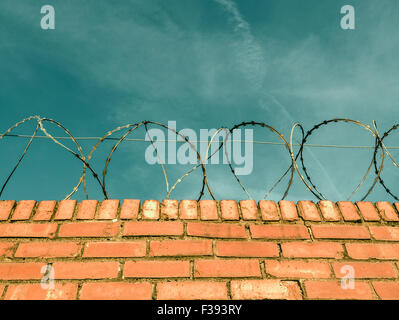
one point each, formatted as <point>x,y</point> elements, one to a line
<point>205,250</point>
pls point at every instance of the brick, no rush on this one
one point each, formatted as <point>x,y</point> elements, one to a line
<point>61,291</point>
<point>153,228</point>
<point>157,269</point>
<point>44,211</point>
<point>366,270</point>
<point>279,231</point>
<point>89,229</point>
<point>23,210</point>
<point>192,290</point>
<point>288,210</point>
<point>385,233</point>
<point>246,249</point>
<point>188,209</point>
<point>65,211</point>
<point>181,248</point>
<point>170,209</point>
<point>21,271</point>
<point>229,210</point>
<point>114,249</point>
<point>130,209</point>
<point>348,210</point>
<point>87,210</point>
<point>48,249</point>
<point>265,289</point>
<point>6,208</point>
<point>150,210</point>
<point>269,210</point>
<point>298,269</point>
<point>340,232</point>
<point>329,210</point>
<point>382,251</point>
<point>208,210</point>
<point>215,230</point>
<point>116,291</point>
<point>226,268</point>
<point>333,290</point>
<point>249,209</point>
<point>368,211</point>
<point>85,270</point>
<point>6,249</point>
<point>387,290</point>
<point>108,209</point>
<point>27,230</point>
<point>312,250</point>
<point>309,211</point>
<point>387,211</point>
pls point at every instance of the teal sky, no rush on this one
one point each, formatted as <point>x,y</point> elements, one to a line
<point>203,64</point>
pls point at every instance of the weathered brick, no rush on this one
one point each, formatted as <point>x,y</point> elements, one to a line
<point>326,231</point>
<point>298,269</point>
<point>170,209</point>
<point>192,290</point>
<point>85,270</point>
<point>157,269</point>
<point>279,231</point>
<point>329,210</point>
<point>89,229</point>
<point>47,249</point>
<point>269,210</point>
<point>387,211</point>
<point>249,209</point>
<point>21,271</point>
<point>65,210</point>
<point>181,248</point>
<point>385,233</point>
<point>333,290</point>
<point>108,209</point>
<point>130,209</point>
<point>227,268</point>
<point>87,209</point>
<point>114,249</point>
<point>265,289</point>
<point>229,210</point>
<point>27,230</point>
<point>150,210</point>
<point>368,211</point>
<point>382,251</point>
<point>208,210</point>
<point>312,250</point>
<point>188,209</point>
<point>246,249</point>
<point>6,249</point>
<point>23,210</point>
<point>153,228</point>
<point>387,290</point>
<point>288,210</point>
<point>309,211</point>
<point>366,269</point>
<point>61,291</point>
<point>349,211</point>
<point>215,230</point>
<point>5,208</point>
<point>116,291</point>
<point>44,211</point>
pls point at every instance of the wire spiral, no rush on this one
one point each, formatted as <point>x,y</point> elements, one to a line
<point>302,172</point>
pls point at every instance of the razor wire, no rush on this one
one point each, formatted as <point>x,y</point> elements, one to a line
<point>297,159</point>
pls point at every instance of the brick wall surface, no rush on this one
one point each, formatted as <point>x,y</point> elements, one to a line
<point>207,250</point>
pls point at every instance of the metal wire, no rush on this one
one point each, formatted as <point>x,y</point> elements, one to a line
<point>129,129</point>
